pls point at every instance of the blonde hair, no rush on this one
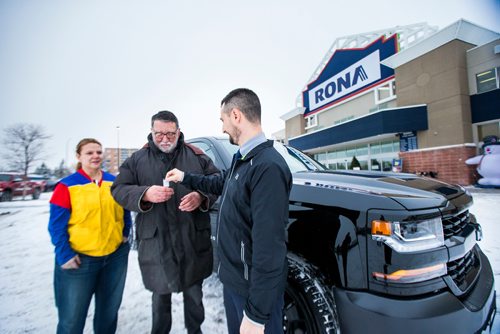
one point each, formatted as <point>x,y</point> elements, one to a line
<point>82,143</point>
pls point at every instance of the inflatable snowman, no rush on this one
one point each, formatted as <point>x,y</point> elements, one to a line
<point>488,163</point>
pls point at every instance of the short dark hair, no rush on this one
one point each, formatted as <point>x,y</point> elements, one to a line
<point>165,116</point>
<point>246,101</point>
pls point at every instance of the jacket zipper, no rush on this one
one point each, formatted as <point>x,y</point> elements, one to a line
<point>245,266</point>
<point>220,209</point>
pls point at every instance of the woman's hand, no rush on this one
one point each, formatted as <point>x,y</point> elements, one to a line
<point>74,263</point>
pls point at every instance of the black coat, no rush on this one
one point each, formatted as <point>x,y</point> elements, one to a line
<point>251,231</point>
<point>175,249</point>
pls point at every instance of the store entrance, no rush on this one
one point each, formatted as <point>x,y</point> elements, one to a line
<point>376,156</point>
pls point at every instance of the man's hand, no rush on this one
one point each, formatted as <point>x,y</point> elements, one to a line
<point>247,327</point>
<point>175,175</point>
<point>190,202</point>
<point>74,263</point>
<point>158,194</point>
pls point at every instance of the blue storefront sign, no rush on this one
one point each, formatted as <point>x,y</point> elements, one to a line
<point>350,72</point>
<point>408,141</point>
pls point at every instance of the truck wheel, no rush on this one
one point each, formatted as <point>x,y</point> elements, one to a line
<point>36,193</point>
<point>6,196</point>
<point>309,304</point>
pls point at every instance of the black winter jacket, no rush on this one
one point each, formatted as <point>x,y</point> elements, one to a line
<point>175,249</point>
<point>251,230</point>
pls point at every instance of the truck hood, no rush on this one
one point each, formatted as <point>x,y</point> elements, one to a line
<point>410,191</point>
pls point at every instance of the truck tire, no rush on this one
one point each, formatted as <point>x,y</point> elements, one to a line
<point>36,193</point>
<point>6,196</point>
<point>309,304</point>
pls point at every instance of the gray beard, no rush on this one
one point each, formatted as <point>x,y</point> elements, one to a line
<point>167,150</point>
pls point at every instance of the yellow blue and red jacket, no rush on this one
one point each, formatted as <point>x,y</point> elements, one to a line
<point>84,217</point>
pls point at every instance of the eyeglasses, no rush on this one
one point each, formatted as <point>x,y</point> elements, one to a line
<point>159,135</point>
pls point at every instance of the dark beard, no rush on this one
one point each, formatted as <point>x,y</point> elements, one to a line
<point>234,140</point>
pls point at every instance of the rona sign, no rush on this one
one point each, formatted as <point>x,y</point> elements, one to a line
<point>350,72</point>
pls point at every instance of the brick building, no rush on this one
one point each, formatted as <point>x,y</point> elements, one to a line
<point>114,157</point>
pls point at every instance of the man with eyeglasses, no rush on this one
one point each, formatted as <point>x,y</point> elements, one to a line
<point>173,224</point>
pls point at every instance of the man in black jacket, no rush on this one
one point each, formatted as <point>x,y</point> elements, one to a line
<point>173,225</point>
<point>252,219</point>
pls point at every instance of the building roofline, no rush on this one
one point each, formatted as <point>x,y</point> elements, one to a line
<point>292,113</point>
<point>463,30</point>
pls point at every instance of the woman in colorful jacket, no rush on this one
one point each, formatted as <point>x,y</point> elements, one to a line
<point>89,231</point>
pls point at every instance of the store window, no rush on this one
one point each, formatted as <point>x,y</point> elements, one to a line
<point>311,121</point>
<point>342,165</point>
<point>375,148</point>
<point>376,156</point>
<point>386,165</point>
<point>487,80</point>
<point>375,164</point>
<point>386,147</point>
<point>331,155</point>
<point>321,157</point>
<point>362,150</point>
<point>341,154</point>
<point>350,152</point>
<point>395,146</point>
<point>363,164</point>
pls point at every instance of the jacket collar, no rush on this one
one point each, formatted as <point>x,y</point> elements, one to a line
<point>252,143</point>
<point>268,143</point>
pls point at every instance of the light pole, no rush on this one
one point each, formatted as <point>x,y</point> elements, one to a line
<point>66,161</point>
<point>118,148</point>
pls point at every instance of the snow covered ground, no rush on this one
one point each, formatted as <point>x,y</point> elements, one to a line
<point>26,273</point>
<point>26,266</point>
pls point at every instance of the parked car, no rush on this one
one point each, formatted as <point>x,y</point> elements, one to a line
<point>377,252</point>
<point>16,184</point>
<point>40,180</point>
<point>46,183</point>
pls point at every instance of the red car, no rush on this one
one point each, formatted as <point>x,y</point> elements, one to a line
<point>40,180</point>
<point>16,184</point>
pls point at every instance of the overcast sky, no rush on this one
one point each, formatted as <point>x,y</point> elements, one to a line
<point>83,68</point>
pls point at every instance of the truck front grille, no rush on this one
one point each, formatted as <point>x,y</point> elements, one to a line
<point>453,225</point>
<point>463,271</point>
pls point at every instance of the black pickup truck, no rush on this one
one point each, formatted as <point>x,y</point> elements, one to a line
<point>376,252</point>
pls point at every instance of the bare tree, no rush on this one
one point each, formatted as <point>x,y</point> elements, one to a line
<point>24,144</point>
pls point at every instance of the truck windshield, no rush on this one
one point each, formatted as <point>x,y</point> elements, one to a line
<point>296,160</point>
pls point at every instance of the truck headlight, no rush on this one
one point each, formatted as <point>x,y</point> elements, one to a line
<point>406,237</point>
